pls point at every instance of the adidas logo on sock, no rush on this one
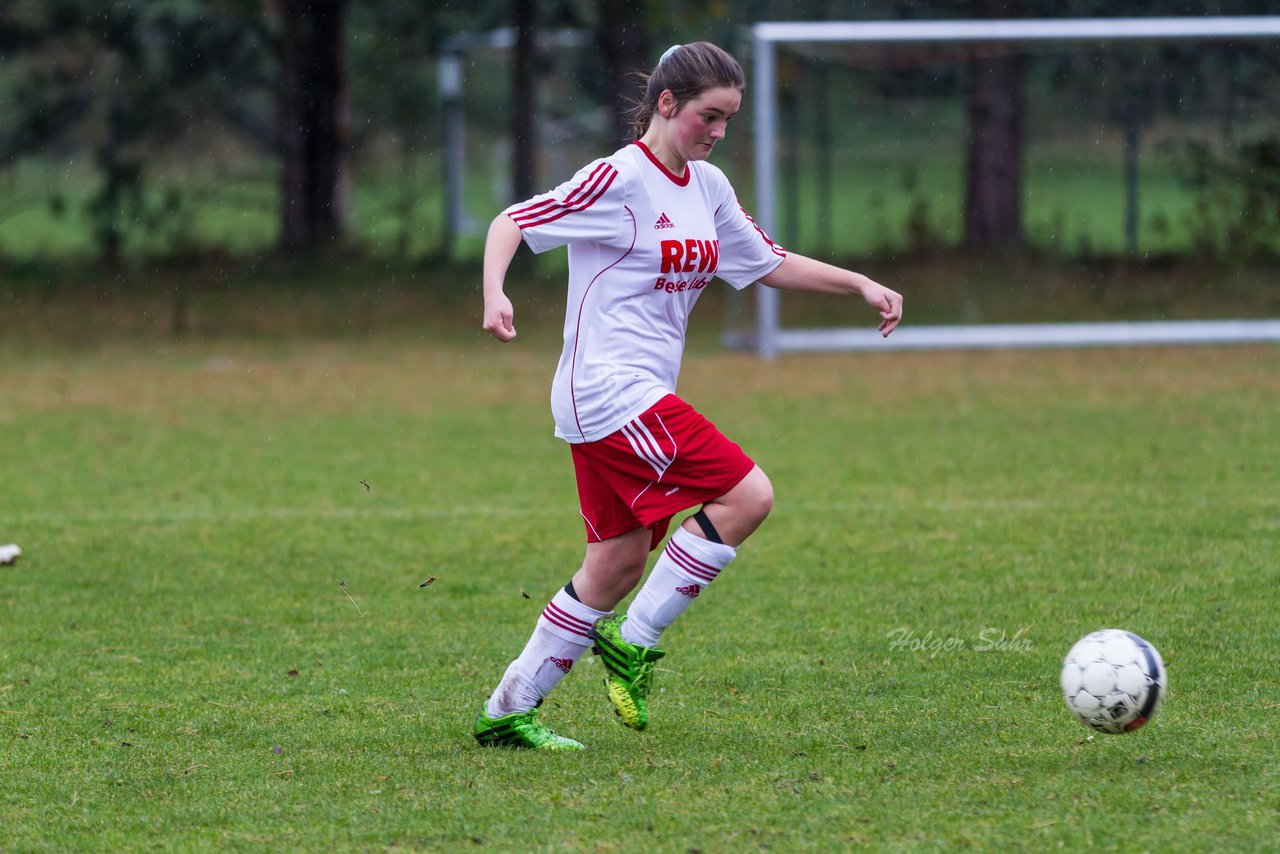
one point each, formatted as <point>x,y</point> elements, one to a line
<point>664,221</point>
<point>563,663</point>
<point>691,591</point>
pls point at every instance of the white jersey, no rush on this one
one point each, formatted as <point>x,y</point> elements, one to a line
<point>643,244</point>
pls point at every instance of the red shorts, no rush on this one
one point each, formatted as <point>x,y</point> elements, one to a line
<point>668,459</point>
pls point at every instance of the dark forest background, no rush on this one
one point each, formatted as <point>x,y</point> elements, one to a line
<point>115,107</point>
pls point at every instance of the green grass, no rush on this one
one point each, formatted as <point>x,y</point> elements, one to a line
<point>217,638</point>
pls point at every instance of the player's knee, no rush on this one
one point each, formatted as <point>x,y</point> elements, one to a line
<point>759,497</point>
<point>618,561</point>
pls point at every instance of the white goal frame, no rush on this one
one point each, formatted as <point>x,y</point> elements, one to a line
<point>771,340</point>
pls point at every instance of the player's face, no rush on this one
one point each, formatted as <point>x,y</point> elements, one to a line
<point>699,124</point>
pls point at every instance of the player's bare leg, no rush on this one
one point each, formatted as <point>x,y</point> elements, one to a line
<point>611,569</point>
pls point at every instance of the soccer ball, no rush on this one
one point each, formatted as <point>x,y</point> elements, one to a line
<point>1113,680</point>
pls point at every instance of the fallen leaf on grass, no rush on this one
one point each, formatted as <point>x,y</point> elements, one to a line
<point>430,581</point>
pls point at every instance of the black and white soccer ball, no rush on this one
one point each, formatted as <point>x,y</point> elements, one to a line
<point>1113,680</point>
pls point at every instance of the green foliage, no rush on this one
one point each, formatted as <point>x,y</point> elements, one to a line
<point>125,83</point>
<point>1237,198</point>
<point>217,635</point>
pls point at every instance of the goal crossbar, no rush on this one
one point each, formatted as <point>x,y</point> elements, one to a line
<point>771,340</point>
<point>1030,29</point>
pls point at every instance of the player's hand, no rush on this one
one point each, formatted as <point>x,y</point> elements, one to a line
<point>498,316</point>
<point>889,304</point>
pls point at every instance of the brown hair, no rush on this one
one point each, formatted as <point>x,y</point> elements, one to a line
<point>688,71</point>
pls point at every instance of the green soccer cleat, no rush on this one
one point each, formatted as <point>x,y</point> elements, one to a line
<point>521,730</point>
<point>630,669</point>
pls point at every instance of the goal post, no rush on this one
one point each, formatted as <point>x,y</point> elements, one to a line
<point>771,339</point>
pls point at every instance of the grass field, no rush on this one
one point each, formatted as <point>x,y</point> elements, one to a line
<point>217,636</point>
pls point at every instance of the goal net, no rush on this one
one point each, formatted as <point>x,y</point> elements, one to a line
<point>1136,139</point>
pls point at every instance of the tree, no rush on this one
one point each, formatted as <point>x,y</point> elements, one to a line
<point>993,194</point>
<point>624,46</point>
<point>523,93</point>
<point>314,118</point>
<point>120,82</point>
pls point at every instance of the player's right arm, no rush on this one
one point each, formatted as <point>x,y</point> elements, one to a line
<point>499,248</point>
<point>588,207</point>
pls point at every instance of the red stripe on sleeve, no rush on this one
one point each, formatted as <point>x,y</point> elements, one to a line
<point>777,250</point>
<point>604,182</point>
<point>583,197</point>
<point>545,204</point>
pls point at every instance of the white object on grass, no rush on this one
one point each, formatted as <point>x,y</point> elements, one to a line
<point>1113,680</point>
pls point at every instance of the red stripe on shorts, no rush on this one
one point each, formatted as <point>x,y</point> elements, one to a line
<point>634,478</point>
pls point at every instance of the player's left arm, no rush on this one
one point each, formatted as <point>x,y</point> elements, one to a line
<point>808,275</point>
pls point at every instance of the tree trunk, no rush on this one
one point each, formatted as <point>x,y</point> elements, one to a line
<point>107,206</point>
<point>312,110</point>
<point>824,195</point>
<point>523,92</point>
<point>993,199</point>
<point>624,44</point>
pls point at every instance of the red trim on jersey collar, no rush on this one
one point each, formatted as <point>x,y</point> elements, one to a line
<point>675,179</point>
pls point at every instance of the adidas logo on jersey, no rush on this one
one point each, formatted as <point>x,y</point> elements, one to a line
<point>664,221</point>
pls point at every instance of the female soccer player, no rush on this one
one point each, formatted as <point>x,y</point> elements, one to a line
<point>647,228</point>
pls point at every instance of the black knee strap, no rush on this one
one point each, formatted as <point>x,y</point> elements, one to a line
<point>707,528</point>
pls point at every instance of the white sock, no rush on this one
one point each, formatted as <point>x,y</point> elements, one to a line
<point>557,642</point>
<point>688,564</point>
